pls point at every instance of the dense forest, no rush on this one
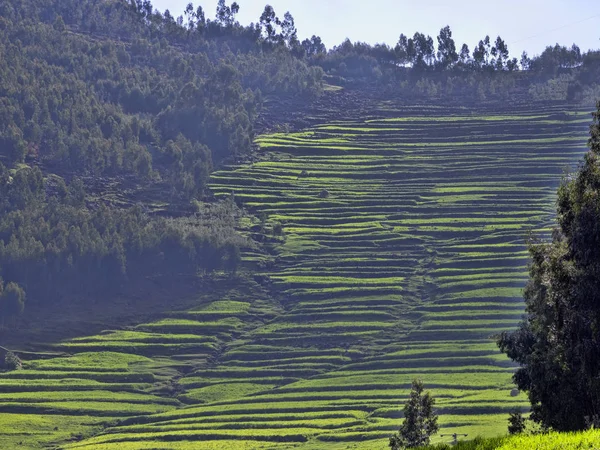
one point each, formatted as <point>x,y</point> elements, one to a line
<point>415,69</point>
<point>94,93</point>
<point>114,91</point>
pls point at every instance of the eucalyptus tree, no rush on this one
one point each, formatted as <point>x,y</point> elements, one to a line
<point>269,23</point>
<point>289,32</point>
<point>447,54</point>
<point>424,51</point>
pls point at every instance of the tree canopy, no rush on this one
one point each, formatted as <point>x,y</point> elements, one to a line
<point>96,94</point>
<point>558,343</point>
<point>420,420</point>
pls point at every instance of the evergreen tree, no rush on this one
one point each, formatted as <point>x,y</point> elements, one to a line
<point>289,32</point>
<point>500,52</point>
<point>424,51</point>
<point>420,420</point>
<point>314,46</point>
<point>226,14</point>
<point>558,343</point>
<point>447,55</point>
<point>269,23</point>
<point>12,302</point>
<point>59,24</point>
<point>516,422</point>
<point>464,54</point>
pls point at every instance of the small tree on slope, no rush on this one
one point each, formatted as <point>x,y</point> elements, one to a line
<point>420,421</point>
<point>558,343</point>
<point>516,422</point>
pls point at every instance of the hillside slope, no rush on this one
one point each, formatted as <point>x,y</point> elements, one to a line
<point>402,253</point>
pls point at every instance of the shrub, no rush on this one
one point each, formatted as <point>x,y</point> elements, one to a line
<point>516,422</point>
<point>12,362</point>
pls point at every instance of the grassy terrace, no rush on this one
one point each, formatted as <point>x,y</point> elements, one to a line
<point>403,253</point>
<point>408,266</point>
<point>97,381</point>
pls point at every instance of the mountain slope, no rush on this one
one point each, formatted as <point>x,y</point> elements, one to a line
<point>403,254</point>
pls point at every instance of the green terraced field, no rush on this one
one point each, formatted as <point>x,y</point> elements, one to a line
<point>403,253</point>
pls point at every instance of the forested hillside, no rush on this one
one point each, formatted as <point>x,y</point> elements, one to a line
<point>110,113</point>
<point>218,233</point>
<point>116,97</point>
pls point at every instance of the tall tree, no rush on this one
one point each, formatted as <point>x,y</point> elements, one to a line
<point>558,343</point>
<point>314,46</point>
<point>420,420</point>
<point>147,9</point>
<point>500,52</point>
<point>190,17</point>
<point>404,50</point>
<point>575,56</point>
<point>465,55</point>
<point>512,64</point>
<point>488,48</point>
<point>447,55</point>
<point>226,14</point>
<point>525,61</point>
<point>269,23</point>
<point>424,51</point>
<point>479,54</point>
<point>289,32</point>
<point>12,302</point>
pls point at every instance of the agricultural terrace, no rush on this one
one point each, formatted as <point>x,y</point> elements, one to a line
<point>397,251</point>
<point>78,387</point>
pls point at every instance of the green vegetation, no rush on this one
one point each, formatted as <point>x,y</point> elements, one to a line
<point>55,245</point>
<point>545,441</point>
<point>375,290</point>
<point>420,420</point>
<point>558,340</point>
<point>172,280</point>
<point>413,69</point>
<point>112,112</point>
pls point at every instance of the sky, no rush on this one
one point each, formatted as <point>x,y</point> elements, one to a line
<point>525,25</point>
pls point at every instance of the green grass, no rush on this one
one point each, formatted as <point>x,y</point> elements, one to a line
<point>224,391</point>
<point>550,441</point>
<point>34,431</point>
<point>98,361</point>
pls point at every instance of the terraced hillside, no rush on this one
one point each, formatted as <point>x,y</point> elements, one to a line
<point>402,253</point>
<point>78,387</point>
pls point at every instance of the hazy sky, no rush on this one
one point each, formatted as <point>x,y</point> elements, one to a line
<point>528,25</point>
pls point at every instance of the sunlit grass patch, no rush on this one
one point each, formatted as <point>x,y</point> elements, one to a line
<point>224,391</point>
<point>186,326</point>
<point>83,396</point>
<point>555,441</point>
<point>42,431</point>
<point>500,292</point>
<point>122,337</point>
<point>294,280</point>
<point>457,118</point>
<point>99,361</point>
